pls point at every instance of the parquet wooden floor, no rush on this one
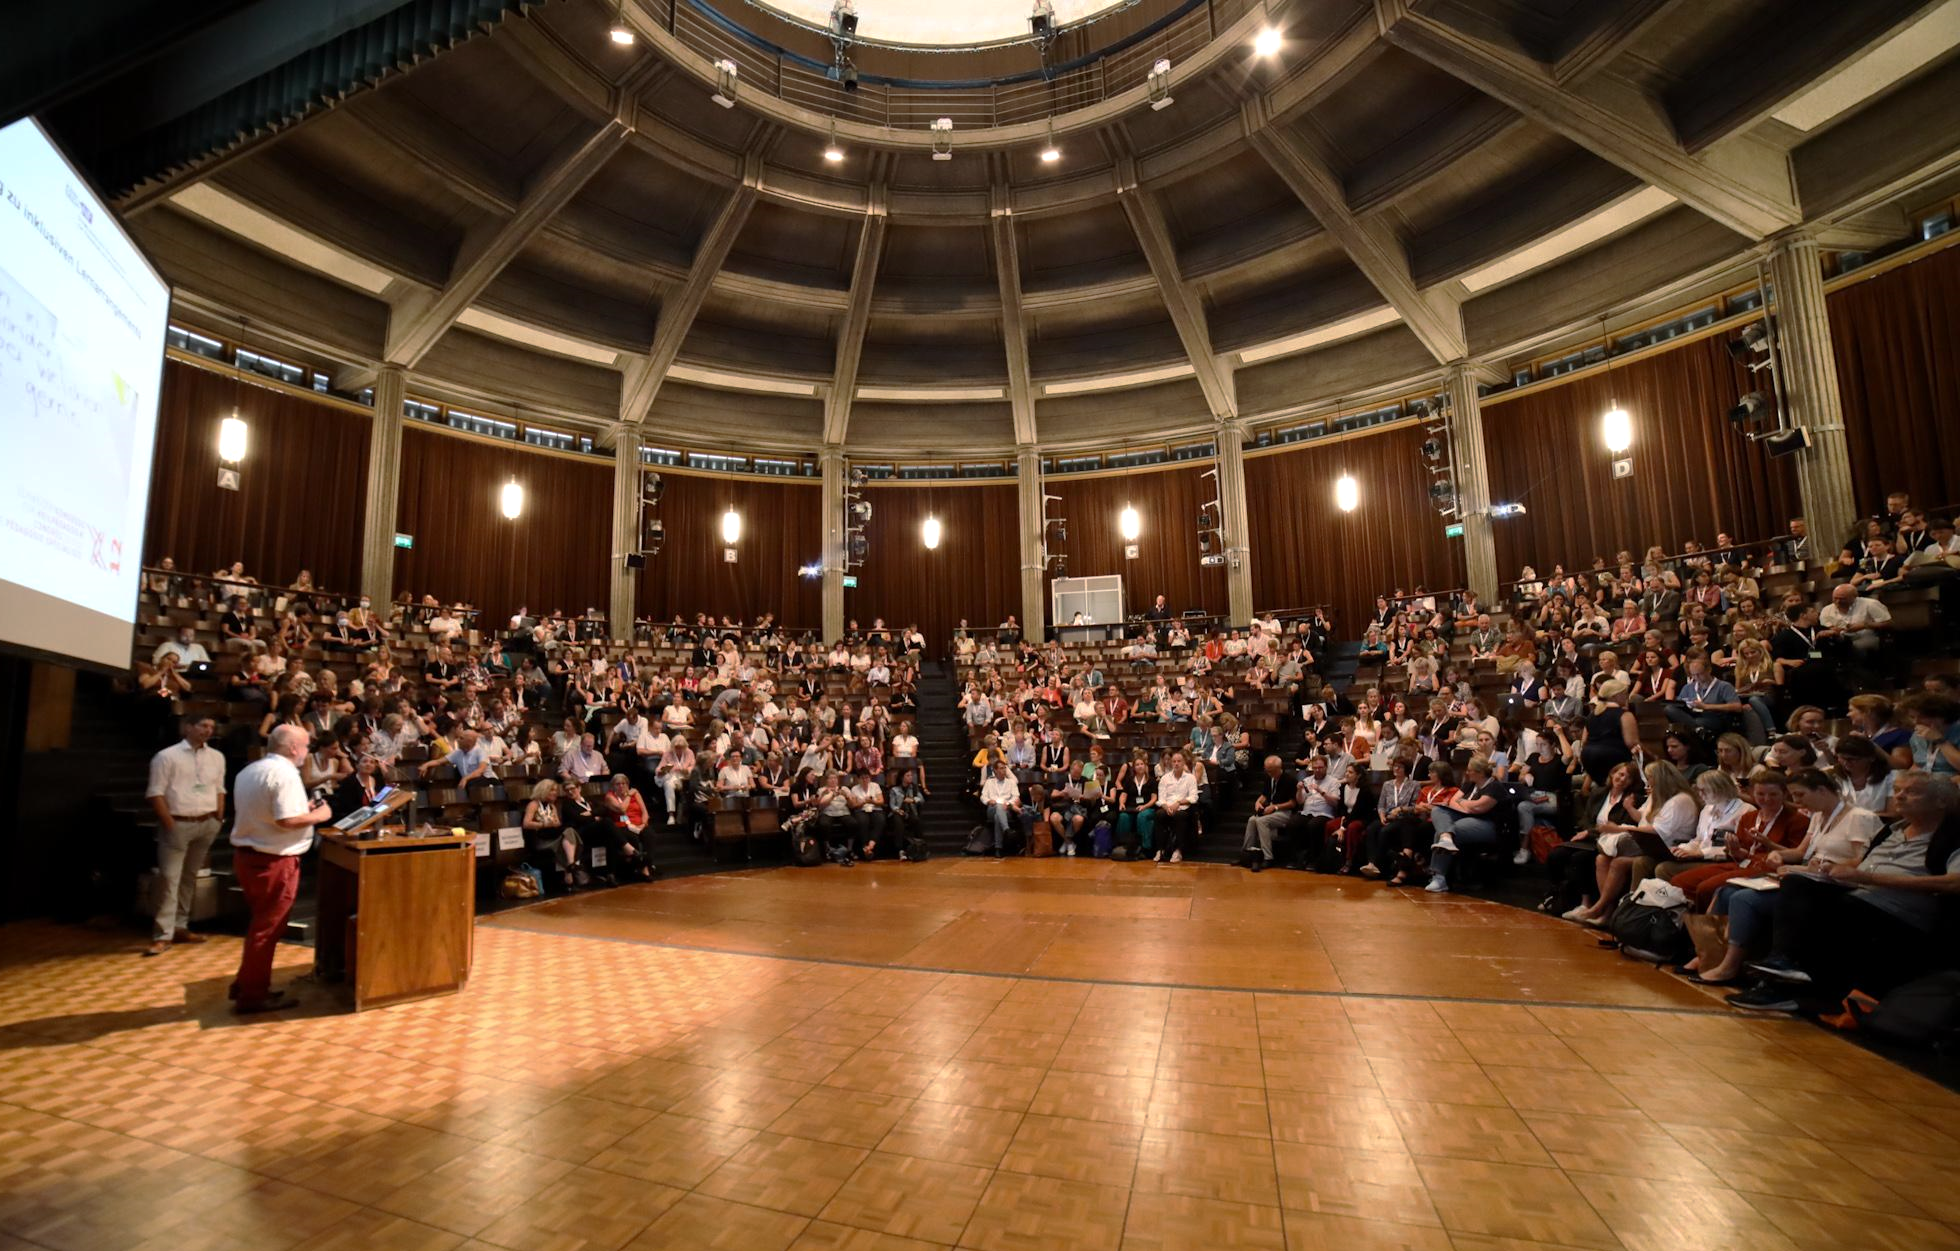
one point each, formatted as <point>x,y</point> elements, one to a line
<point>900,1058</point>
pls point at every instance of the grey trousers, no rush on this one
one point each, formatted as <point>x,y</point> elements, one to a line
<point>180,854</point>
<point>1261,831</point>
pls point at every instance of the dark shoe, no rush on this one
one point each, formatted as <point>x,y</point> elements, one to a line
<point>277,1001</point>
<point>1764,997</point>
<point>156,948</point>
<point>1258,863</point>
<point>1780,969</point>
<point>185,936</point>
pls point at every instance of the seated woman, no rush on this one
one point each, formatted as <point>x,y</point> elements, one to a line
<point>1671,813</point>
<point>1406,836</point>
<point>1772,824</point>
<point>1722,811</point>
<point>1840,833</point>
<point>549,839</point>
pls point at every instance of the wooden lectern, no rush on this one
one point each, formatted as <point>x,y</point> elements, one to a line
<point>397,912</point>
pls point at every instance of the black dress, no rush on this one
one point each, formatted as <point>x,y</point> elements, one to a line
<point>1605,747</point>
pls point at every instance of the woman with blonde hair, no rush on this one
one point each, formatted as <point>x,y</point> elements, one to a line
<point>547,835</point>
<point>1672,813</point>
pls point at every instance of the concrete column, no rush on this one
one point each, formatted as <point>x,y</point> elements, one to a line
<point>1233,516</point>
<point>1810,388</point>
<point>1472,481</point>
<point>834,470</point>
<point>625,532</point>
<point>384,483</point>
<point>1034,564</point>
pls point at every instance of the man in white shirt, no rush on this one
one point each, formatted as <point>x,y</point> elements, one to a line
<point>273,826</point>
<point>1177,800</point>
<point>187,790</point>
<point>1856,619</point>
<point>186,647</point>
<point>1000,795</point>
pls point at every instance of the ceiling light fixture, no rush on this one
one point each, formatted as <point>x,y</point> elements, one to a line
<point>942,139</point>
<point>929,532</point>
<point>726,77</point>
<point>232,436</point>
<point>1616,427</point>
<point>1051,153</point>
<point>619,31</point>
<point>1129,523</point>
<point>510,501</point>
<point>831,152</point>
<point>731,526</point>
<point>1347,493</point>
<point>1267,42</point>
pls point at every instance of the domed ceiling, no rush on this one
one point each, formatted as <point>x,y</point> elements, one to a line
<point>918,24</point>
<point>545,219</point>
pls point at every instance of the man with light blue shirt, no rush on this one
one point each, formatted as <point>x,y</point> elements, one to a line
<point>469,759</point>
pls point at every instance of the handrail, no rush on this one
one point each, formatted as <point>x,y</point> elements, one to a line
<point>1674,559</point>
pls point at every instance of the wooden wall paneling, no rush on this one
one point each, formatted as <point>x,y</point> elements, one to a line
<point>782,531</point>
<point>1693,472</point>
<point>974,575</point>
<point>1167,502</point>
<point>554,557</point>
<point>1306,551</point>
<point>301,498</point>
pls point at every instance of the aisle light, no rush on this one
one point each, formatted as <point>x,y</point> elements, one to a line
<point>511,500</point>
<point>929,532</point>
<point>731,526</point>
<point>1616,428</point>
<point>1129,523</point>
<point>233,434</point>
<point>1347,493</point>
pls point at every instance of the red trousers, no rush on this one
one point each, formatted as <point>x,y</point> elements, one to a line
<point>270,883</point>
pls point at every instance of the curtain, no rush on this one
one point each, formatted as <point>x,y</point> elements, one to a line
<point>974,575</point>
<point>1897,342</point>
<point>1306,551</point>
<point>782,531</point>
<point>555,556</point>
<point>301,499</point>
<point>1167,503</point>
<point>1693,473</point>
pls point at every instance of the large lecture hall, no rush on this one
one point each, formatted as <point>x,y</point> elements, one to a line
<point>884,625</point>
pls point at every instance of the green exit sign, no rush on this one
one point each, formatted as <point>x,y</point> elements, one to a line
<point>1454,530</point>
<point>404,541</point>
<point>850,582</point>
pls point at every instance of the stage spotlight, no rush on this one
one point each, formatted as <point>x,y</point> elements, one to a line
<point>942,139</point>
<point>1752,408</point>
<point>1267,42</point>
<point>1061,566</point>
<point>1159,84</point>
<point>1432,449</point>
<point>847,74</point>
<point>1041,23</point>
<point>861,511</point>
<point>1204,540</point>
<point>858,545</point>
<point>1789,442</point>
<point>1753,341</point>
<point>1442,491</point>
<point>652,488</point>
<point>843,19</point>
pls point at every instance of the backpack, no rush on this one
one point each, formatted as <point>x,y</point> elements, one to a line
<point>1101,840</point>
<point>1655,934</point>
<point>809,851</point>
<point>1925,1010</point>
<point>979,841</point>
<point>914,849</point>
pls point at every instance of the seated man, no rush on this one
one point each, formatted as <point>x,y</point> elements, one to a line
<point>1870,925</point>
<point>1067,810</point>
<point>868,798</point>
<point>582,763</point>
<point>1706,700</point>
<point>1000,795</point>
<point>189,652</point>
<point>1274,812</point>
<point>238,630</point>
<point>1855,620</point>
<point>837,819</point>
<point>470,759</point>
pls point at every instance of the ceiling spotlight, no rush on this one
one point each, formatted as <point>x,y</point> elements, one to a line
<point>1267,42</point>
<point>1347,493</point>
<point>929,532</point>
<point>831,152</point>
<point>942,139</point>
<point>1159,83</point>
<point>1616,429</point>
<point>726,75</point>
<point>843,19</point>
<point>1042,21</point>
<point>1751,408</point>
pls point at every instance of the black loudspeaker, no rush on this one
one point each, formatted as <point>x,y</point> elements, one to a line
<point>636,560</point>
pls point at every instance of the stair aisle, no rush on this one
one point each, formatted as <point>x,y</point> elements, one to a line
<point>948,815</point>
